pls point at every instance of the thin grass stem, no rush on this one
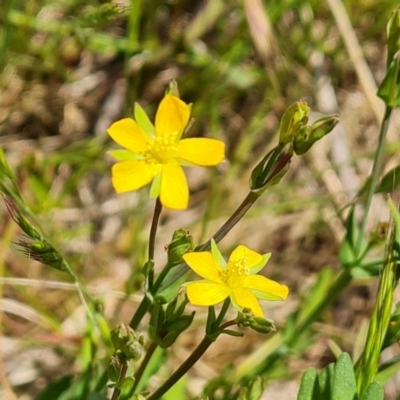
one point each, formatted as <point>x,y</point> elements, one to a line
<point>375,175</point>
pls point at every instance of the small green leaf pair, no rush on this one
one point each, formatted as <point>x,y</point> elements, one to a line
<point>336,382</point>
<point>167,324</point>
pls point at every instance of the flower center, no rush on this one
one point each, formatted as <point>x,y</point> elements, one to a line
<point>235,273</point>
<point>160,149</point>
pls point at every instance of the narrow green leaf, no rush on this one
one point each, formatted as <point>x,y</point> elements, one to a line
<point>156,362</point>
<point>309,385</point>
<point>374,392</point>
<point>347,252</point>
<point>217,254</point>
<point>390,181</point>
<point>389,90</point>
<point>143,120</point>
<point>344,383</point>
<point>325,382</point>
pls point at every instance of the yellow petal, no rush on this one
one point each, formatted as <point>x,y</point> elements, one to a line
<point>172,117</point>
<point>127,133</point>
<point>265,288</point>
<point>132,175</point>
<point>204,264</point>
<point>243,255</point>
<point>174,191</point>
<point>200,151</point>
<point>204,293</point>
<point>245,299</point>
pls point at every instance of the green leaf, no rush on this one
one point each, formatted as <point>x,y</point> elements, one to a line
<point>309,385</point>
<point>211,317</point>
<point>217,254</point>
<point>344,383</point>
<point>156,362</point>
<point>390,181</point>
<point>374,392</point>
<point>55,389</point>
<point>165,295</point>
<point>393,35</point>
<point>388,370</point>
<point>389,90</point>
<point>178,391</point>
<point>347,252</point>
<point>143,120</point>
<point>325,382</point>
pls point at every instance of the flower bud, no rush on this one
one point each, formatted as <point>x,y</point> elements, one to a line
<point>176,307</point>
<point>113,369</point>
<point>271,169</point>
<point>127,344</point>
<point>308,135</point>
<point>181,243</point>
<point>259,324</point>
<point>292,120</point>
<point>174,329</point>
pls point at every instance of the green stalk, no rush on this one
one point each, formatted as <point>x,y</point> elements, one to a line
<point>380,319</point>
<point>181,371</point>
<point>117,390</point>
<point>152,240</point>
<point>138,376</point>
<point>375,174</point>
<point>195,356</point>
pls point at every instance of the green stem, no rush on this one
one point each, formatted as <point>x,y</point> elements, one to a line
<point>232,221</point>
<point>223,311</point>
<point>152,239</point>
<point>183,369</point>
<point>145,303</point>
<point>375,174</point>
<point>194,357</point>
<point>117,390</point>
<point>138,376</point>
<point>140,312</point>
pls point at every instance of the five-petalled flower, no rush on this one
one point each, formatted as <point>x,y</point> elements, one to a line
<point>156,153</point>
<point>236,279</point>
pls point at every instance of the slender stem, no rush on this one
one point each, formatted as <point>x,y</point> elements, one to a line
<point>194,357</point>
<point>138,376</point>
<point>375,174</point>
<point>223,311</point>
<point>227,324</point>
<point>117,390</point>
<point>232,221</point>
<point>145,303</point>
<point>181,371</point>
<point>152,239</point>
<point>139,313</point>
<point>246,204</point>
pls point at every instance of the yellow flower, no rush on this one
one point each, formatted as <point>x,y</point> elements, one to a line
<point>156,153</point>
<point>236,279</point>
